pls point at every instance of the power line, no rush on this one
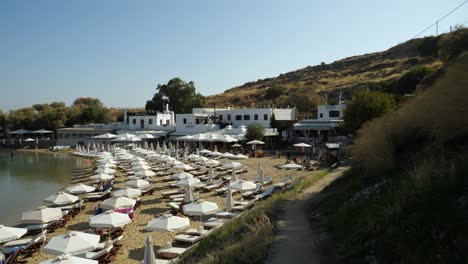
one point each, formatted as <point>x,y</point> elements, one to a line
<point>442,18</point>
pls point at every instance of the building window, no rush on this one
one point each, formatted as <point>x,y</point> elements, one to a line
<point>220,117</point>
<point>185,120</point>
<point>246,117</point>
<point>238,117</point>
<point>265,117</point>
<point>150,121</point>
<point>334,113</point>
<point>229,117</point>
<point>160,122</point>
<point>197,121</point>
<point>321,115</point>
<point>255,117</point>
<point>167,122</point>
<point>134,121</point>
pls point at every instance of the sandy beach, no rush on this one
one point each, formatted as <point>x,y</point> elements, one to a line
<point>135,234</point>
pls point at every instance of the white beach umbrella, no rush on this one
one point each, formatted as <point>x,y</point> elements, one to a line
<point>109,219</point>
<point>232,165</point>
<point>261,176</point>
<point>11,233</point>
<point>227,155</point>
<point>138,183</point>
<point>119,202</point>
<point>182,167</point>
<point>290,166</point>
<point>239,156</point>
<point>188,182</point>
<point>106,165</point>
<point>105,170</point>
<point>216,154</point>
<point>106,136</point>
<point>145,173</point>
<point>72,243</point>
<point>255,142</point>
<point>127,192</point>
<point>139,167</point>
<point>41,215</point>
<point>210,174</point>
<point>211,162</point>
<point>102,177</point>
<point>145,136</point>
<point>302,145</point>
<point>205,151</point>
<point>29,140</point>
<point>229,200</point>
<point>192,156</point>
<point>80,188</point>
<point>174,162</point>
<point>168,223</point>
<point>61,198</point>
<point>181,175</point>
<point>67,259</point>
<point>200,208</point>
<point>243,185</point>
<point>149,257</point>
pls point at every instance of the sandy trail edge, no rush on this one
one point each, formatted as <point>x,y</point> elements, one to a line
<point>295,240</point>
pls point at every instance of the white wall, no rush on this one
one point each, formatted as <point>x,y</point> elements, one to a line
<point>186,125</point>
<point>159,121</point>
<point>323,112</point>
<point>247,116</point>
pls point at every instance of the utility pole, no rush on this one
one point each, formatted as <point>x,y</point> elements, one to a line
<point>437,28</point>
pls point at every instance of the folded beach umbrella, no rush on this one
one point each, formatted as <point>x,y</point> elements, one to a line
<point>72,243</point>
<point>243,185</point>
<point>67,259</point>
<point>168,223</point>
<point>181,175</point>
<point>229,200</point>
<point>61,198</point>
<point>109,219</point>
<point>11,233</point>
<point>232,165</point>
<point>102,177</point>
<point>145,173</point>
<point>80,188</point>
<point>128,192</point>
<point>188,195</point>
<point>105,170</point>
<point>200,208</point>
<point>188,182</point>
<point>41,215</point>
<point>119,202</point>
<point>138,183</point>
<point>149,257</point>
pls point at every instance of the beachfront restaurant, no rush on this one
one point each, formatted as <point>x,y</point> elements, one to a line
<point>71,136</point>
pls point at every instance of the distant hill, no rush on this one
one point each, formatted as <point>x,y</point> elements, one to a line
<point>345,74</point>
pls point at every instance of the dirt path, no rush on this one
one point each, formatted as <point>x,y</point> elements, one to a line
<point>296,240</point>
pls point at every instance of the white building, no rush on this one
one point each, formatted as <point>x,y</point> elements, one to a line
<point>329,117</point>
<point>204,120</point>
<point>160,121</point>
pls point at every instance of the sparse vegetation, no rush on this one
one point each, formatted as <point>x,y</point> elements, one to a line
<point>246,239</point>
<point>405,201</point>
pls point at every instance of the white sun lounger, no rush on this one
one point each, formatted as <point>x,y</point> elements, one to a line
<point>213,222</point>
<point>268,191</point>
<point>24,242</point>
<point>189,239</point>
<point>197,232</point>
<point>284,182</point>
<point>96,255</point>
<point>171,252</point>
<point>171,192</point>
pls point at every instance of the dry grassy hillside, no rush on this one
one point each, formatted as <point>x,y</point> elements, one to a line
<point>343,74</point>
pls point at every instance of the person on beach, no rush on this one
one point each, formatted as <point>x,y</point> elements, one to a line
<point>100,187</point>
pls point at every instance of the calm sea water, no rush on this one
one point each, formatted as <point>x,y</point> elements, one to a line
<point>27,178</point>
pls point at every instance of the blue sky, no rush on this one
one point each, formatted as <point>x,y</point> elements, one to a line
<point>118,51</point>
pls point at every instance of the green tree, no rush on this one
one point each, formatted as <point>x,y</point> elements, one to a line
<point>3,121</point>
<point>409,81</point>
<point>24,118</point>
<point>87,110</point>
<point>180,95</point>
<point>254,132</point>
<point>51,116</point>
<point>365,106</point>
<point>274,92</point>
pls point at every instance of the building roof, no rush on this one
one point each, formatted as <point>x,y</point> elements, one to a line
<point>317,125</point>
